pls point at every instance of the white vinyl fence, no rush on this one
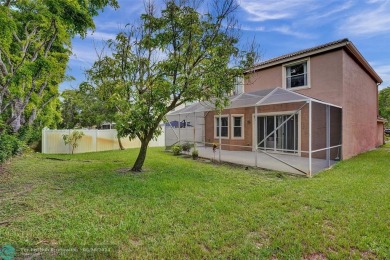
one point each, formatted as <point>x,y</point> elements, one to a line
<point>93,141</point>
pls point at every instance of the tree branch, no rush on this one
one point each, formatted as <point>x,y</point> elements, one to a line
<point>7,3</point>
<point>16,37</point>
<point>3,67</point>
<point>54,36</point>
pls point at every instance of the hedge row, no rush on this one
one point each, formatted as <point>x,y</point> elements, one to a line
<point>10,145</point>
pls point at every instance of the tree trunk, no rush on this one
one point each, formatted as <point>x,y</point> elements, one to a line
<point>137,167</point>
<point>16,124</point>
<point>147,137</point>
<point>16,116</point>
<point>120,143</point>
<point>32,117</point>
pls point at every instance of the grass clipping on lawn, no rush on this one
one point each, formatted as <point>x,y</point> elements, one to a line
<point>181,208</point>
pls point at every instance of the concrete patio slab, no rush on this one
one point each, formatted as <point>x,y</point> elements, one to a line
<point>293,163</point>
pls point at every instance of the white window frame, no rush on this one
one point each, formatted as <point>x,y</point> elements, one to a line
<point>308,74</point>
<point>215,126</point>
<point>233,126</point>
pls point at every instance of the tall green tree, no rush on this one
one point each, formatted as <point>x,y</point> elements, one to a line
<point>174,56</point>
<point>384,104</point>
<point>35,45</point>
<point>82,107</point>
<point>87,107</point>
<point>70,107</point>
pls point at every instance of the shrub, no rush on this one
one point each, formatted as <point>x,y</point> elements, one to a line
<point>29,134</point>
<point>73,139</point>
<point>195,154</point>
<point>177,149</point>
<point>10,145</point>
<point>186,147</point>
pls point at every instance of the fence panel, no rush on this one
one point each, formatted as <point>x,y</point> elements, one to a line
<point>107,140</point>
<point>93,141</point>
<point>52,141</point>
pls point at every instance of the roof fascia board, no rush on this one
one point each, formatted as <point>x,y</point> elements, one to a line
<point>355,52</point>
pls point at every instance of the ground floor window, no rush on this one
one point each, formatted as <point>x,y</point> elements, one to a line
<point>237,126</point>
<point>223,124</point>
<point>284,139</point>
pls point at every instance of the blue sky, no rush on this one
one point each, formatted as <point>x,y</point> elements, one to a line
<point>280,27</point>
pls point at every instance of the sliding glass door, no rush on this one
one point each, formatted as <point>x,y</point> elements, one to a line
<point>271,137</point>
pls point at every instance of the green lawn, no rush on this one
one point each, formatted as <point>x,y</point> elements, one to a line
<point>180,208</point>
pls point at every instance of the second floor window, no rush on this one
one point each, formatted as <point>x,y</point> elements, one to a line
<point>296,75</point>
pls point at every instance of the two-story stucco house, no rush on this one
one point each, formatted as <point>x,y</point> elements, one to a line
<point>320,104</point>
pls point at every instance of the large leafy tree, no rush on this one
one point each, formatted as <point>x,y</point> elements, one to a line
<point>174,56</point>
<point>82,108</point>
<point>70,107</point>
<point>384,103</point>
<point>35,45</point>
<point>87,107</point>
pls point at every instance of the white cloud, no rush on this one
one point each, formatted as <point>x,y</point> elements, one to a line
<point>253,29</point>
<point>375,1</point>
<point>350,18</point>
<point>132,7</point>
<point>98,35</point>
<point>287,30</point>
<point>86,57</point>
<point>86,53</point>
<point>272,10</point>
<point>300,18</point>
<point>347,5</point>
<point>369,21</point>
<point>107,26</point>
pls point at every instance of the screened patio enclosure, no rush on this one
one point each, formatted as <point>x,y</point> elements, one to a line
<point>276,129</point>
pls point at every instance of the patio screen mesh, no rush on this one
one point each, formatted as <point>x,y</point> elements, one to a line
<point>303,139</point>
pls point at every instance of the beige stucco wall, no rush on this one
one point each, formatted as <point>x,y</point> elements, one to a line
<point>359,109</point>
<point>326,78</point>
<point>264,79</point>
